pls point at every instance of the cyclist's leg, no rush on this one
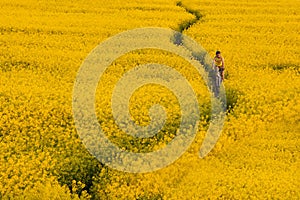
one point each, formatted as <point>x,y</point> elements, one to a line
<point>218,83</point>
<point>221,71</point>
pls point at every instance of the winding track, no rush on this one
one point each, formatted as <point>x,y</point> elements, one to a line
<point>187,24</point>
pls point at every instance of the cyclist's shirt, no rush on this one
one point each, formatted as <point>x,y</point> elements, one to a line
<point>218,61</point>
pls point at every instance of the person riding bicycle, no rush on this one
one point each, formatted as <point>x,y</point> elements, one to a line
<point>219,63</point>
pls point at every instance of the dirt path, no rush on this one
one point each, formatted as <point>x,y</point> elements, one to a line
<point>187,24</point>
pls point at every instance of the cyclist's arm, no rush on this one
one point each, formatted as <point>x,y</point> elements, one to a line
<point>213,63</point>
<point>223,63</point>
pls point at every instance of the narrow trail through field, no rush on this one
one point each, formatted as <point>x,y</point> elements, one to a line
<point>187,24</point>
<point>178,40</point>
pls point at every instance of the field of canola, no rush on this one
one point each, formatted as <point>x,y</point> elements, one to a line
<point>42,45</point>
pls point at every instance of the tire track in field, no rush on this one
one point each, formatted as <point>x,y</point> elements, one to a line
<point>187,24</point>
<point>231,94</point>
<point>184,26</point>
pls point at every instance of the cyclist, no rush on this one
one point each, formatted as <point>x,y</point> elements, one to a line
<point>219,63</point>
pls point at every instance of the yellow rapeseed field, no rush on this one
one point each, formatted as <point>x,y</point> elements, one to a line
<point>43,44</point>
